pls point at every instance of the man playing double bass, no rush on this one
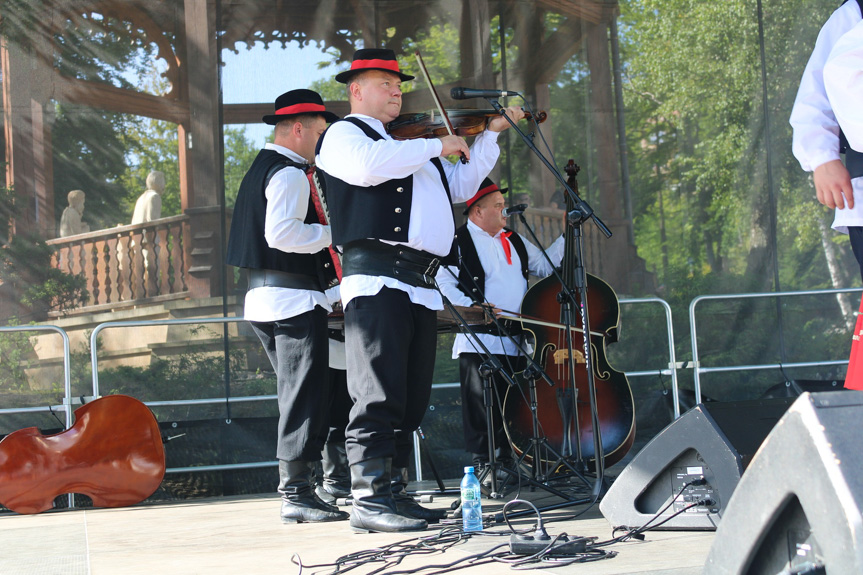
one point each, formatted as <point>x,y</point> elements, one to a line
<point>390,213</point>
<point>494,264</point>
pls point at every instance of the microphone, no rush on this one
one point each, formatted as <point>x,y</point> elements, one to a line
<point>513,210</point>
<point>467,93</point>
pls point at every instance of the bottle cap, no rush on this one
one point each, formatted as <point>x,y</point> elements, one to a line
<point>468,469</point>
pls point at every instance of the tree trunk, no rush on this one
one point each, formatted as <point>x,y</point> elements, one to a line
<point>838,276</point>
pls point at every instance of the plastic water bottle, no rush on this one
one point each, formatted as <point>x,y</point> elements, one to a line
<point>471,506</point>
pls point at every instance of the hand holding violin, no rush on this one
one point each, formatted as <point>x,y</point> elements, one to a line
<point>499,123</point>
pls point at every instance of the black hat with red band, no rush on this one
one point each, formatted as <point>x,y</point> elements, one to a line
<point>298,102</point>
<point>485,189</point>
<point>373,59</point>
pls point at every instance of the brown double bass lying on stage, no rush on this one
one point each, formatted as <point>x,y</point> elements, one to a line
<point>564,409</point>
<point>113,454</point>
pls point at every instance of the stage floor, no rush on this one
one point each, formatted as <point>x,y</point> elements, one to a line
<point>244,535</point>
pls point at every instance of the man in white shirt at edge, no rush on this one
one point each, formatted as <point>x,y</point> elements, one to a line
<point>816,134</point>
<point>843,81</point>
<point>494,266</point>
<point>390,211</point>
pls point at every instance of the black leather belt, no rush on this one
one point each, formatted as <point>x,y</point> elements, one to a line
<point>370,257</point>
<point>854,163</point>
<point>272,278</point>
<point>853,158</point>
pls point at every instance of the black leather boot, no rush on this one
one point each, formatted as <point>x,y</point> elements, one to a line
<point>299,502</point>
<point>374,508</point>
<point>406,504</point>
<point>336,483</point>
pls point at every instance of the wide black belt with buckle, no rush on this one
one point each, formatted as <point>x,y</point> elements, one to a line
<point>373,258</point>
<point>273,278</point>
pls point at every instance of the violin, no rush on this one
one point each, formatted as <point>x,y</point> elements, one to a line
<point>113,454</point>
<point>465,122</point>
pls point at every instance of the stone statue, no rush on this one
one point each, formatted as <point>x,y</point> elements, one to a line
<point>149,205</point>
<point>71,222</point>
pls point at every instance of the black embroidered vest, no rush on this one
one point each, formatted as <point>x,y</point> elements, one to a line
<point>247,246</point>
<point>471,274</point>
<point>381,212</point>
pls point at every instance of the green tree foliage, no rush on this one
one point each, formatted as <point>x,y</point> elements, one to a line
<point>697,139</point>
<point>239,155</point>
<point>89,145</point>
<point>698,143</point>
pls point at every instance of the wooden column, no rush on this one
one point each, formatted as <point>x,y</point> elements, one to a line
<point>528,78</point>
<point>203,143</point>
<point>475,45</point>
<point>616,254</point>
<point>26,89</point>
<point>204,150</point>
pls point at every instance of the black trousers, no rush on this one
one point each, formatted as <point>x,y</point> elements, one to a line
<point>474,423</point>
<point>299,352</point>
<point>391,344</point>
<point>340,406</point>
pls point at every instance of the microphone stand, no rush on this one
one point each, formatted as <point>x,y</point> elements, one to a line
<point>488,368</point>
<point>575,219</point>
<point>538,444</point>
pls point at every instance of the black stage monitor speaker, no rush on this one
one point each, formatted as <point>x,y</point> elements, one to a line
<point>799,506</point>
<point>711,445</point>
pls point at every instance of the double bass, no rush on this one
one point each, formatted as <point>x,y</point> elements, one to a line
<point>563,409</point>
<point>113,454</point>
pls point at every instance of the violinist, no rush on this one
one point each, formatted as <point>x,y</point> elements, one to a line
<point>494,265</point>
<point>390,213</point>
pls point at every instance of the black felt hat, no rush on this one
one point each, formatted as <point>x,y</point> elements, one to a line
<point>298,102</point>
<point>485,189</point>
<point>373,59</point>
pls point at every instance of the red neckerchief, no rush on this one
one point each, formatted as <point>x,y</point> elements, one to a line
<point>506,247</point>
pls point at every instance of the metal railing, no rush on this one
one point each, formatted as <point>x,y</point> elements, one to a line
<point>67,380</point>
<point>696,363</point>
<point>672,357</point>
<point>670,370</point>
<point>94,361</point>
<point>67,373</point>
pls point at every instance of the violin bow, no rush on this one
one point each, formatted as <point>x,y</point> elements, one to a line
<point>440,108</point>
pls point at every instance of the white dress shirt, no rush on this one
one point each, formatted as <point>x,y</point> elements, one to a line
<point>351,156</point>
<point>816,131</point>
<point>284,229</point>
<point>843,81</point>
<point>505,285</point>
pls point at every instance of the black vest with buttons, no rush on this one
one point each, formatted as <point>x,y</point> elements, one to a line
<point>381,212</point>
<point>471,275</point>
<point>247,246</point>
